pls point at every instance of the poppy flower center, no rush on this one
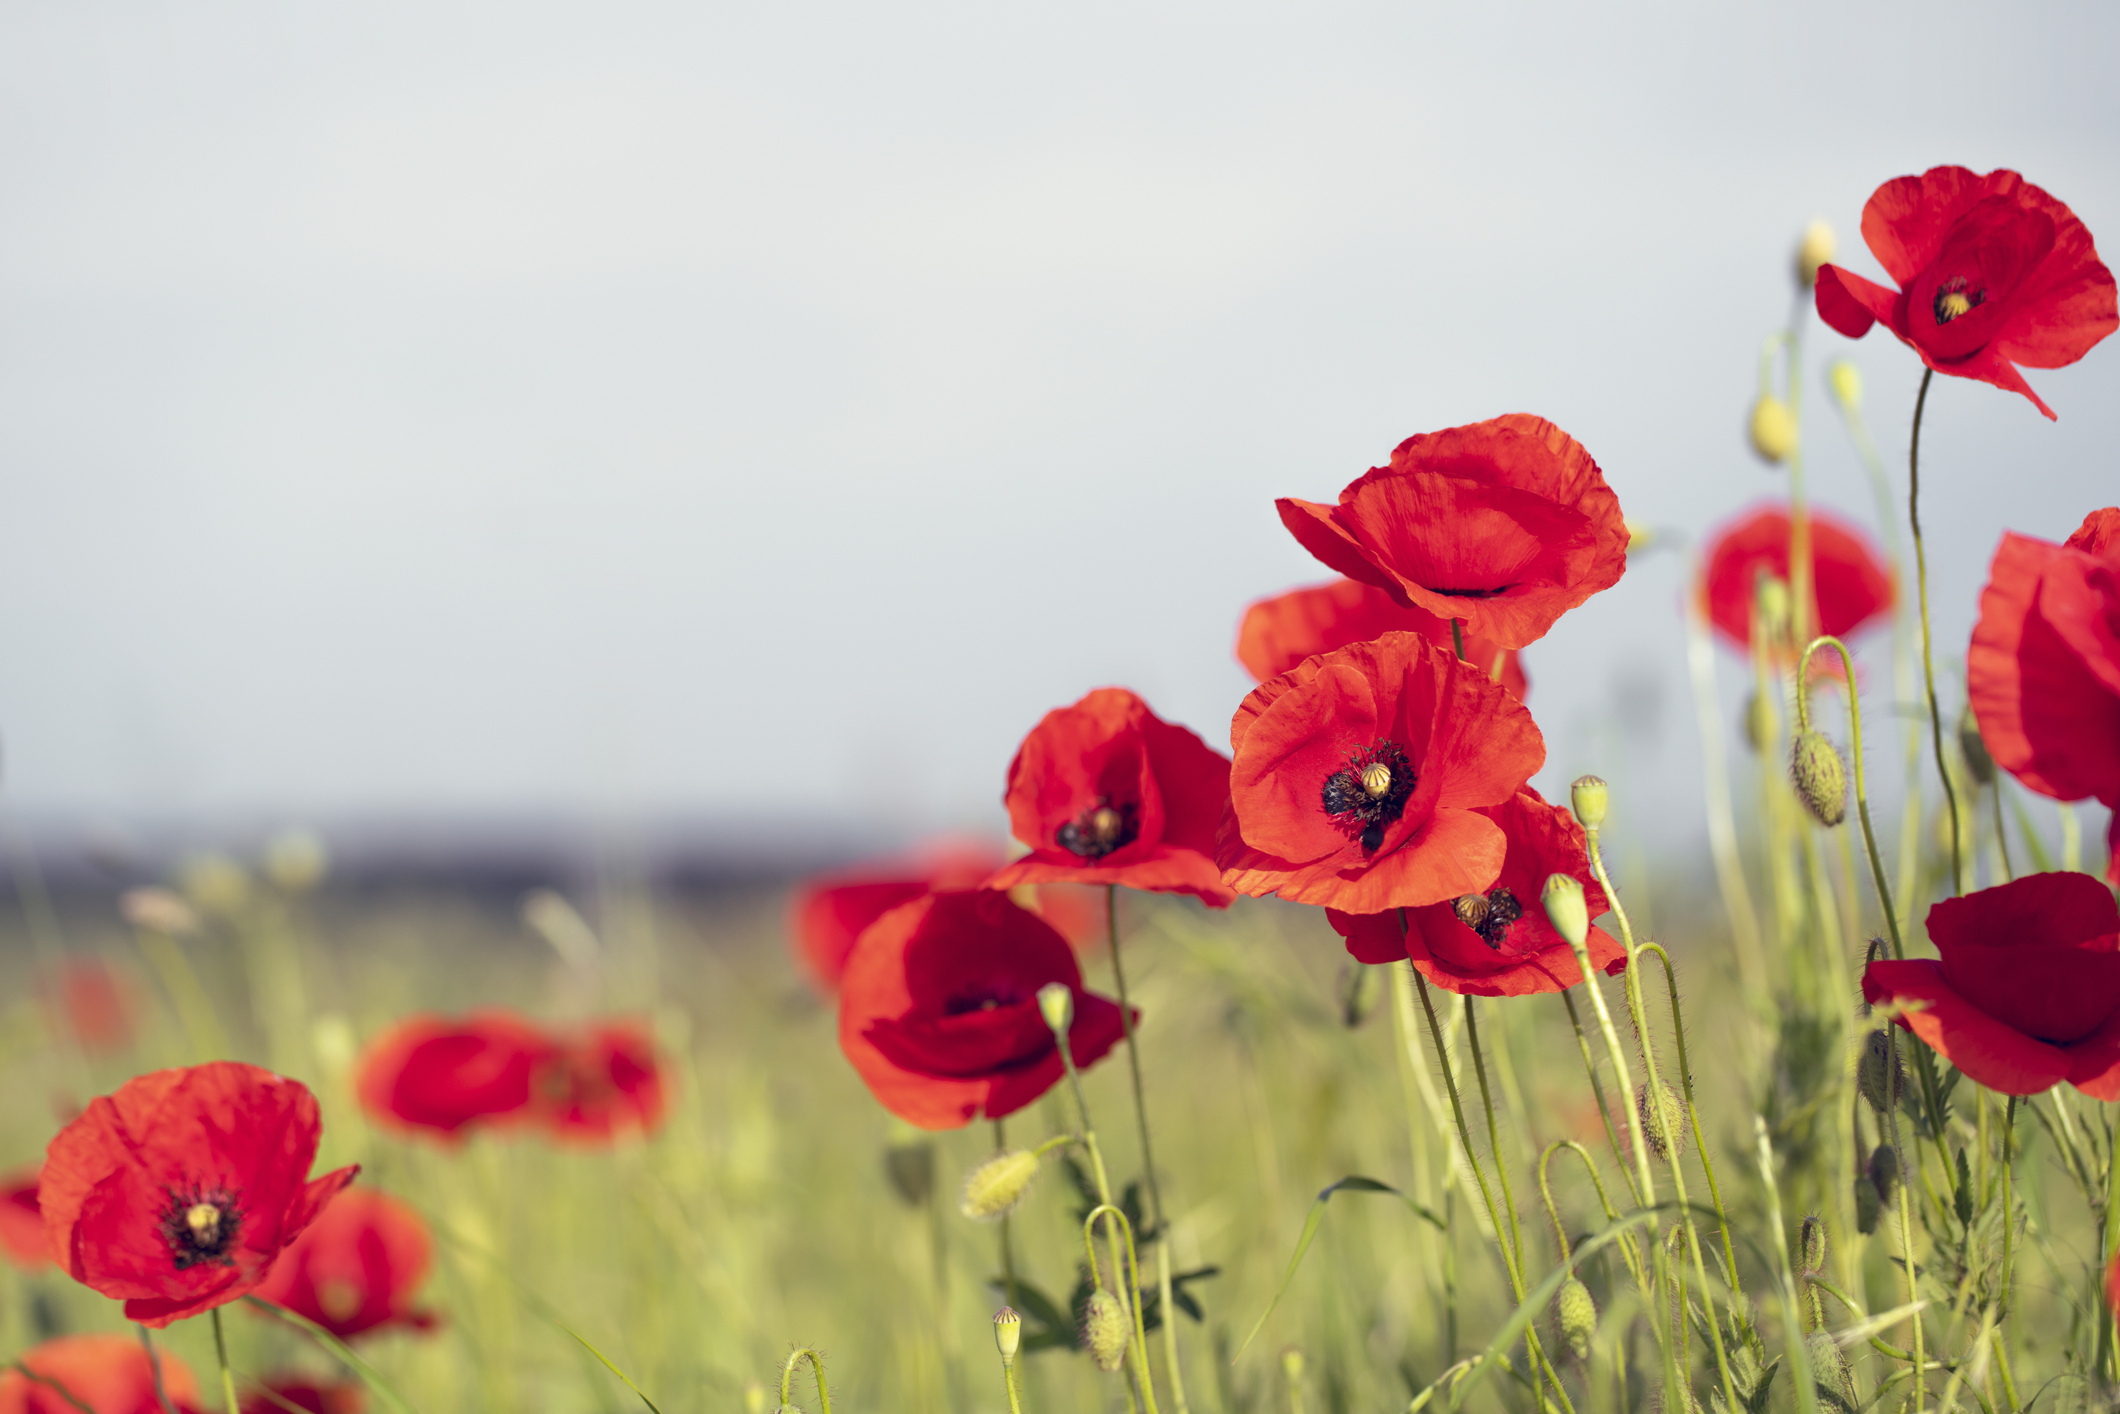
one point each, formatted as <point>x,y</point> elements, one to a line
<point>1100,829</point>
<point>1364,797</point>
<point>200,1225</point>
<point>1489,914</point>
<point>1953,299</point>
<point>984,999</point>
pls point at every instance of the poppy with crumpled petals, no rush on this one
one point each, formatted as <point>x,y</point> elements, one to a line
<point>939,1009</point>
<point>1107,792</point>
<point>441,1076</point>
<point>2043,669</point>
<point>178,1192</point>
<point>1504,525</point>
<point>22,1221</point>
<point>2026,991</point>
<point>1850,585</point>
<point>1280,632</point>
<point>110,1374</point>
<point>355,1268</point>
<point>606,1083</point>
<point>1993,272</point>
<point>1497,942</point>
<point>1360,777</point>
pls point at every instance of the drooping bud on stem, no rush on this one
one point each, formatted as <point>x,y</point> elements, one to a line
<point>1008,1333</point>
<point>1845,379</point>
<point>992,1190</point>
<point>1589,796</point>
<point>1575,1311</point>
<point>1881,1075</point>
<point>1773,429</point>
<point>1821,777</point>
<point>1056,1003</point>
<point>1104,1330</point>
<point>1884,1172</point>
<point>1814,250</point>
<point>1663,1122</point>
<point>1566,908</point>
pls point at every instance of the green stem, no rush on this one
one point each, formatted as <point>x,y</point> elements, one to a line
<point>1104,1189</point>
<point>1928,659</point>
<point>1906,1219</point>
<point>787,1377</point>
<point>2009,1212</point>
<point>1862,794</point>
<point>1008,1246</point>
<point>1015,1398</point>
<point>154,1370</point>
<point>220,1350</point>
<point>1700,1140</point>
<point>2002,836</point>
<point>1597,1088</point>
<point>1131,1277</point>
<point>1133,1062</point>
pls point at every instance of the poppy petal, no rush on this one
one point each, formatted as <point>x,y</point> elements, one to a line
<point>1998,1056</point>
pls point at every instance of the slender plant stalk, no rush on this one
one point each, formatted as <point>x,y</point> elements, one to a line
<point>2002,835</point>
<point>787,1377</point>
<point>1007,1239</point>
<point>1928,657</point>
<point>1700,1140</point>
<point>1597,1088</point>
<point>1409,1057</point>
<point>1722,827</point>
<point>1104,1193</point>
<point>1131,1275</point>
<point>154,1370</point>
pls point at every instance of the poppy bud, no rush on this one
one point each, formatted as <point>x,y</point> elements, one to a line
<point>1565,908</point>
<point>1761,721</point>
<point>1104,1330</point>
<point>1008,1333</point>
<point>993,1189</point>
<point>1884,1172</point>
<point>1663,1123</point>
<point>1589,795</point>
<point>1881,1076</point>
<point>754,1398</point>
<point>1811,1247</point>
<point>1056,1003</point>
<point>1869,1206</point>
<point>1576,1313</point>
<point>1292,1364</point>
<point>1821,777</point>
<point>1978,764</point>
<point>1773,429</point>
<point>1845,379</point>
<point>1830,1373</point>
<point>215,884</point>
<point>1814,250</point>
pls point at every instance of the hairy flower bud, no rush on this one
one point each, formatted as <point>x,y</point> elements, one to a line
<point>1884,1172</point>
<point>1566,908</point>
<point>1830,1373</point>
<point>1821,777</point>
<point>1978,763</point>
<point>1589,796</point>
<point>1008,1333</point>
<point>992,1190</point>
<point>1773,430</point>
<point>1845,379</point>
<point>1056,1003</point>
<point>1761,722</point>
<point>1881,1075</point>
<point>1104,1330</point>
<point>1663,1123</point>
<point>1869,1206</point>
<point>1811,1247</point>
<point>1814,250</point>
<point>1576,1314</point>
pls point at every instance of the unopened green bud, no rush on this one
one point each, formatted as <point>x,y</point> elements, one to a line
<point>1566,908</point>
<point>1978,763</point>
<point>1821,777</point>
<point>754,1398</point>
<point>1814,250</point>
<point>1292,1364</point>
<point>1576,1314</point>
<point>1104,1330</point>
<point>1663,1123</point>
<point>1884,1172</point>
<point>1056,1003</point>
<point>1811,1247</point>
<point>993,1189</point>
<point>1845,379</point>
<point>1761,722</point>
<point>1773,429</point>
<point>1589,796</point>
<point>1830,1373</point>
<point>1008,1333</point>
<point>1881,1075</point>
<point>1869,1205</point>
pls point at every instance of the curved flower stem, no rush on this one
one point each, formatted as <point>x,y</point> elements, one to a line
<point>154,1369</point>
<point>1560,1234</point>
<point>787,1377</point>
<point>1700,1140</point>
<point>1803,599</point>
<point>220,1350</point>
<point>1104,1185</point>
<point>1113,1215</point>
<point>1928,660</point>
<point>1604,1110</point>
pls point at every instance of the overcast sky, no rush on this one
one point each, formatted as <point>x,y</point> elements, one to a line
<point>766,412</point>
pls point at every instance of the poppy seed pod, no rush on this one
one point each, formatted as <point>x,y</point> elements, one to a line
<point>1830,1373</point>
<point>1811,1247</point>
<point>1576,1313</point>
<point>1663,1123</point>
<point>1881,1076</point>
<point>1589,796</point>
<point>992,1190</point>
<point>1773,430</point>
<point>1814,250</point>
<point>1566,909</point>
<point>1884,1172</point>
<point>1008,1333</point>
<point>1869,1206</point>
<point>1845,379</point>
<point>1104,1331</point>
<point>1056,1003</point>
<point>1821,777</point>
<point>1978,763</point>
<point>1762,722</point>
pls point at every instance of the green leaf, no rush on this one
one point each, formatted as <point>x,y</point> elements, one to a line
<point>369,1374</point>
<point>1354,1183</point>
<point>1962,1195</point>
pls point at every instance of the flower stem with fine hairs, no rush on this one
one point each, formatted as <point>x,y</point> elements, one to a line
<point>787,1377</point>
<point>220,1350</point>
<point>1700,1140</point>
<point>1928,661</point>
<point>1130,1277</point>
<point>1862,796</point>
<point>1104,1189</point>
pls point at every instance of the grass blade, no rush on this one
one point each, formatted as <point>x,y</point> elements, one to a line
<point>1354,1183</point>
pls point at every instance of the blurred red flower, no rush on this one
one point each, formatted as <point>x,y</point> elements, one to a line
<point>1360,776</point>
<point>2026,992</point>
<point>94,1001</point>
<point>2112,1283</point>
<point>1993,273</point>
<point>22,1221</point>
<point>603,1084</point>
<point>111,1374</point>
<point>300,1392</point>
<point>179,1191</point>
<point>2043,671</point>
<point>430,1073</point>
<point>1280,632</point>
<point>1107,792</point>
<point>938,1011</point>
<point>1851,588</point>
<point>1497,942</point>
<point>356,1267</point>
<point>1504,525</point>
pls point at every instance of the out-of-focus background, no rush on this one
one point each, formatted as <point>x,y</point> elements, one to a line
<point>735,425</point>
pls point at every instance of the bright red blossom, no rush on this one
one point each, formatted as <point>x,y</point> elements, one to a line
<point>343,1397</point>
<point>1280,632</point>
<point>1851,587</point>
<point>1504,525</point>
<point>602,1085</point>
<point>939,1014</point>
<point>1993,273</point>
<point>1360,777</point>
<point>1497,942</point>
<point>1107,792</point>
<point>178,1192</point>
<point>356,1267</point>
<point>110,1374</point>
<point>429,1073</point>
<point>2026,991</point>
<point>22,1221</point>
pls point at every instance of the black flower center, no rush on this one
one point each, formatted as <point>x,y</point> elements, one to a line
<point>1366,795</point>
<point>1953,299</point>
<point>200,1224</point>
<point>985,998</point>
<point>1100,829</point>
<point>1489,914</point>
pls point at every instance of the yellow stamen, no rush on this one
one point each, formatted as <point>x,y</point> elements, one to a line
<point>204,1220</point>
<point>1953,304</point>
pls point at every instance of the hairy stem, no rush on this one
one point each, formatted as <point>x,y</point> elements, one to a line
<point>1928,659</point>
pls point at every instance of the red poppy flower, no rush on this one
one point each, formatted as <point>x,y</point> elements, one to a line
<point>2043,670</point>
<point>1280,632</point>
<point>429,1073</point>
<point>2112,1284</point>
<point>111,1374</point>
<point>1848,578</point>
<point>178,1192</point>
<point>1360,776</point>
<point>22,1221</point>
<point>2026,993</point>
<point>1107,792</point>
<point>1504,525</point>
<point>356,1267</point>
<point>939,1013</point>
<point>1992,271</point>
<point>1498,942</point>
<point>606,1083</point>
<point>94,1001</point>
<point>281,1393</point>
